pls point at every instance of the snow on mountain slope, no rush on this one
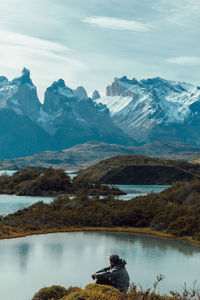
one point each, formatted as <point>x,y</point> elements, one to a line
<point>141,107</point>
<point>169,99</point>
<point>115,103</point>
<point>20,95</point>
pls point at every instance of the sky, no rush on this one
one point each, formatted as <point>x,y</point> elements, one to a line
<point>90,42</point>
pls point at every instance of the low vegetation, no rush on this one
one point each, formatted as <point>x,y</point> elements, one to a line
<point>49,182</point>
<point>104,292</point>
<point>175,211</point>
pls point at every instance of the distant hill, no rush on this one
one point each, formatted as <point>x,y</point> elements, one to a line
<point>83,155</point>
<point>132,169</point>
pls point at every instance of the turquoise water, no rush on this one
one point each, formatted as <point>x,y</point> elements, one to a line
<point>7,172</point>
<point>71,173</point>
<point>138,190</point>
<point>30,263</point>
<point>12,203</point>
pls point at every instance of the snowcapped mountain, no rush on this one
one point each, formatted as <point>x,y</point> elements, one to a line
<point>74,118</point>
<point>155,109</point>
<point>20,95</point>
<point>66,118</point>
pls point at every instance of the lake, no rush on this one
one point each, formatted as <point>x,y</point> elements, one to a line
<point>12,203</point>
<point>7,172</point>
<point>30,263</point>
<point>138,190</point>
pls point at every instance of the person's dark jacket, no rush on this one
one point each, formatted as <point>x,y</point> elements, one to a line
<point>118,275</point>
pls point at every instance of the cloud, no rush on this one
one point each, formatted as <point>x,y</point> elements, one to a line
<point>179,12</point>
<point>24,41</point>
<point>117,24</point>
<point>185,60</point>
<point>47,60</point>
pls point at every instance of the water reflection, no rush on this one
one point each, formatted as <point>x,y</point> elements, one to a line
<point>148,242</point>
<point>23,253</point>
<point>27,264</point>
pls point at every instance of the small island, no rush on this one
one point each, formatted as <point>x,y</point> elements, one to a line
<point>50,182</point>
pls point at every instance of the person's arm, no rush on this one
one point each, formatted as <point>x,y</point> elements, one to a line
<point>103,270</point>
<point>109,274</point>
<point>100,272</point>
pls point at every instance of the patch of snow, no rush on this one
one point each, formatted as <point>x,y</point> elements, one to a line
<point>79,119</point>
<point>114,104</point>
<point>44,117</point>
<point>18,111</point>
<point>65,92</point>
<point>14,101</point>
<point>124,84</point>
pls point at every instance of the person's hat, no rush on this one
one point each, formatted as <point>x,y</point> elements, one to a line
<point>114,258</point>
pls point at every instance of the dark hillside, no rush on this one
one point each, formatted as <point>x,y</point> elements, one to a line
<point>133,169</point>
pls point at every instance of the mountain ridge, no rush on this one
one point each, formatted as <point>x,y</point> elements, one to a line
<point>67,117</point>
<point>133,113</point>
<point>155,109</point>
<point>84,155</point>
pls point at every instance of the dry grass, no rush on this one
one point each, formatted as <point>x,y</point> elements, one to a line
<point>9,233</point>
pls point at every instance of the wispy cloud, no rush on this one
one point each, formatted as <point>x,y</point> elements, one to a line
<point>47,60</point>
<point>24,41</point>
<point>179,12</point>
<point>117,23</point>
<point>185,60</point>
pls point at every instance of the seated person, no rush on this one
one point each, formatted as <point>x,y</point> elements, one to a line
<point>115,275</point>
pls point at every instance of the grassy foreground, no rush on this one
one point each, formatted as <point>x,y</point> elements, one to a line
<point>104,292</point>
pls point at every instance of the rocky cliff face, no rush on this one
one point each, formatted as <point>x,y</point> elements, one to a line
<point>95,95</point>
<point>66,118</point>
<point>71,117</point>
<point>20,95</point>
<point>155,109</point>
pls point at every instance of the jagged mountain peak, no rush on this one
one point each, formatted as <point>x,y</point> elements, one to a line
<point>57,85</point>
<point>3,81</point>
<point>80,92</point>
<point>95,95</point>
<point>60,89</point>
<point>23,79</point>
<point>126,80</point>
<point>155,108</point>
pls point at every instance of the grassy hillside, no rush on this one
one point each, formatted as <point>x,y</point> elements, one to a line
<point>133,169</point>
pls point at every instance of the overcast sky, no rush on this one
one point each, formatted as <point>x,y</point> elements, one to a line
<point>89,42</point>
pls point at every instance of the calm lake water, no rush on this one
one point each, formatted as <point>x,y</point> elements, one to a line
<point>30,263</point>
<point>138,190</point>
<point>7,172</point>
<point>12,203</point>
